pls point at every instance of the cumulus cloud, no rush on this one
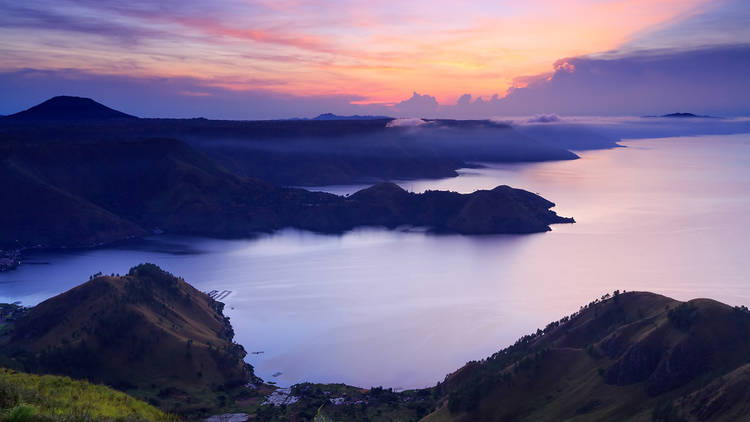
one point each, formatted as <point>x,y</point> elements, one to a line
<point>407,122</point>
<point>545,118</point>
<point>704,81</point>
<point>418,105</point>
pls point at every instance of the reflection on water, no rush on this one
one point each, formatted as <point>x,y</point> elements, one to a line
<point>402,309</point>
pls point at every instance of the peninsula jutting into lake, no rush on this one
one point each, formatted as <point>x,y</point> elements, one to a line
<point>65,193</point>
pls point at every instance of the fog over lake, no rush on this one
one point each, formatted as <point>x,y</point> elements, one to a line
<point>404,308</point>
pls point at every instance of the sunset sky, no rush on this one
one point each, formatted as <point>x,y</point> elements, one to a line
<point>343,56</point>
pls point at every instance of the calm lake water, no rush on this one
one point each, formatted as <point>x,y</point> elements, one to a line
<point>402,309</point>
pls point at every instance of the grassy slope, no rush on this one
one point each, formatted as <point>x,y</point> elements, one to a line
<point>637,357</point>
<point>61,398</point>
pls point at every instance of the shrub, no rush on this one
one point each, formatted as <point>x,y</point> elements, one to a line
<point>22,413</point>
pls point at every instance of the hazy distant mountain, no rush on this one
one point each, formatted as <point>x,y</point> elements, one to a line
<point>331,116</point>
<point>70,108</point>
<point>684,116</point>
<point>313,152</point>
<point>688,115</point>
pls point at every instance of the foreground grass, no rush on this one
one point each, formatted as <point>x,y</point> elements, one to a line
<point>27,397</point>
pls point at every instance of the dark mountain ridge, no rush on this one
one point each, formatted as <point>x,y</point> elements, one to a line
<point>82,194</point>
<point>686,115</point>
<point>331,116</point>
<point>363,149</point>
<point>682,115</point>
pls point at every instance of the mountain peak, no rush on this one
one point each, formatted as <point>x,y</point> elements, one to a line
<point>65,107</point>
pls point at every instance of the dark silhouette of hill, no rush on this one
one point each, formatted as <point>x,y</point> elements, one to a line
<point>331,116</point>
<point>147,333</point>
<point>633,356</point>
<point>684,115</point>
<point>65,108</point>
<point>38,213</point>
<point>80,194</point>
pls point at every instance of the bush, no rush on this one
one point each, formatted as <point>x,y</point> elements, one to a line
<point>22,413</point>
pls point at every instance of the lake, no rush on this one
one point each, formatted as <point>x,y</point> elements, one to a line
<point>402,309</point>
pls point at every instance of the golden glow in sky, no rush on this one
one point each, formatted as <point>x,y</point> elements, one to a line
<point>380,51</point>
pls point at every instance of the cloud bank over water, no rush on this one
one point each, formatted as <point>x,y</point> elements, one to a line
<point>704,81</point>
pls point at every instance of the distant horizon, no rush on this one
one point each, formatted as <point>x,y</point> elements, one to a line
<point>536,118</point>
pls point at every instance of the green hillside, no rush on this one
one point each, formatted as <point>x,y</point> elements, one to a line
<point>27,397</point>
